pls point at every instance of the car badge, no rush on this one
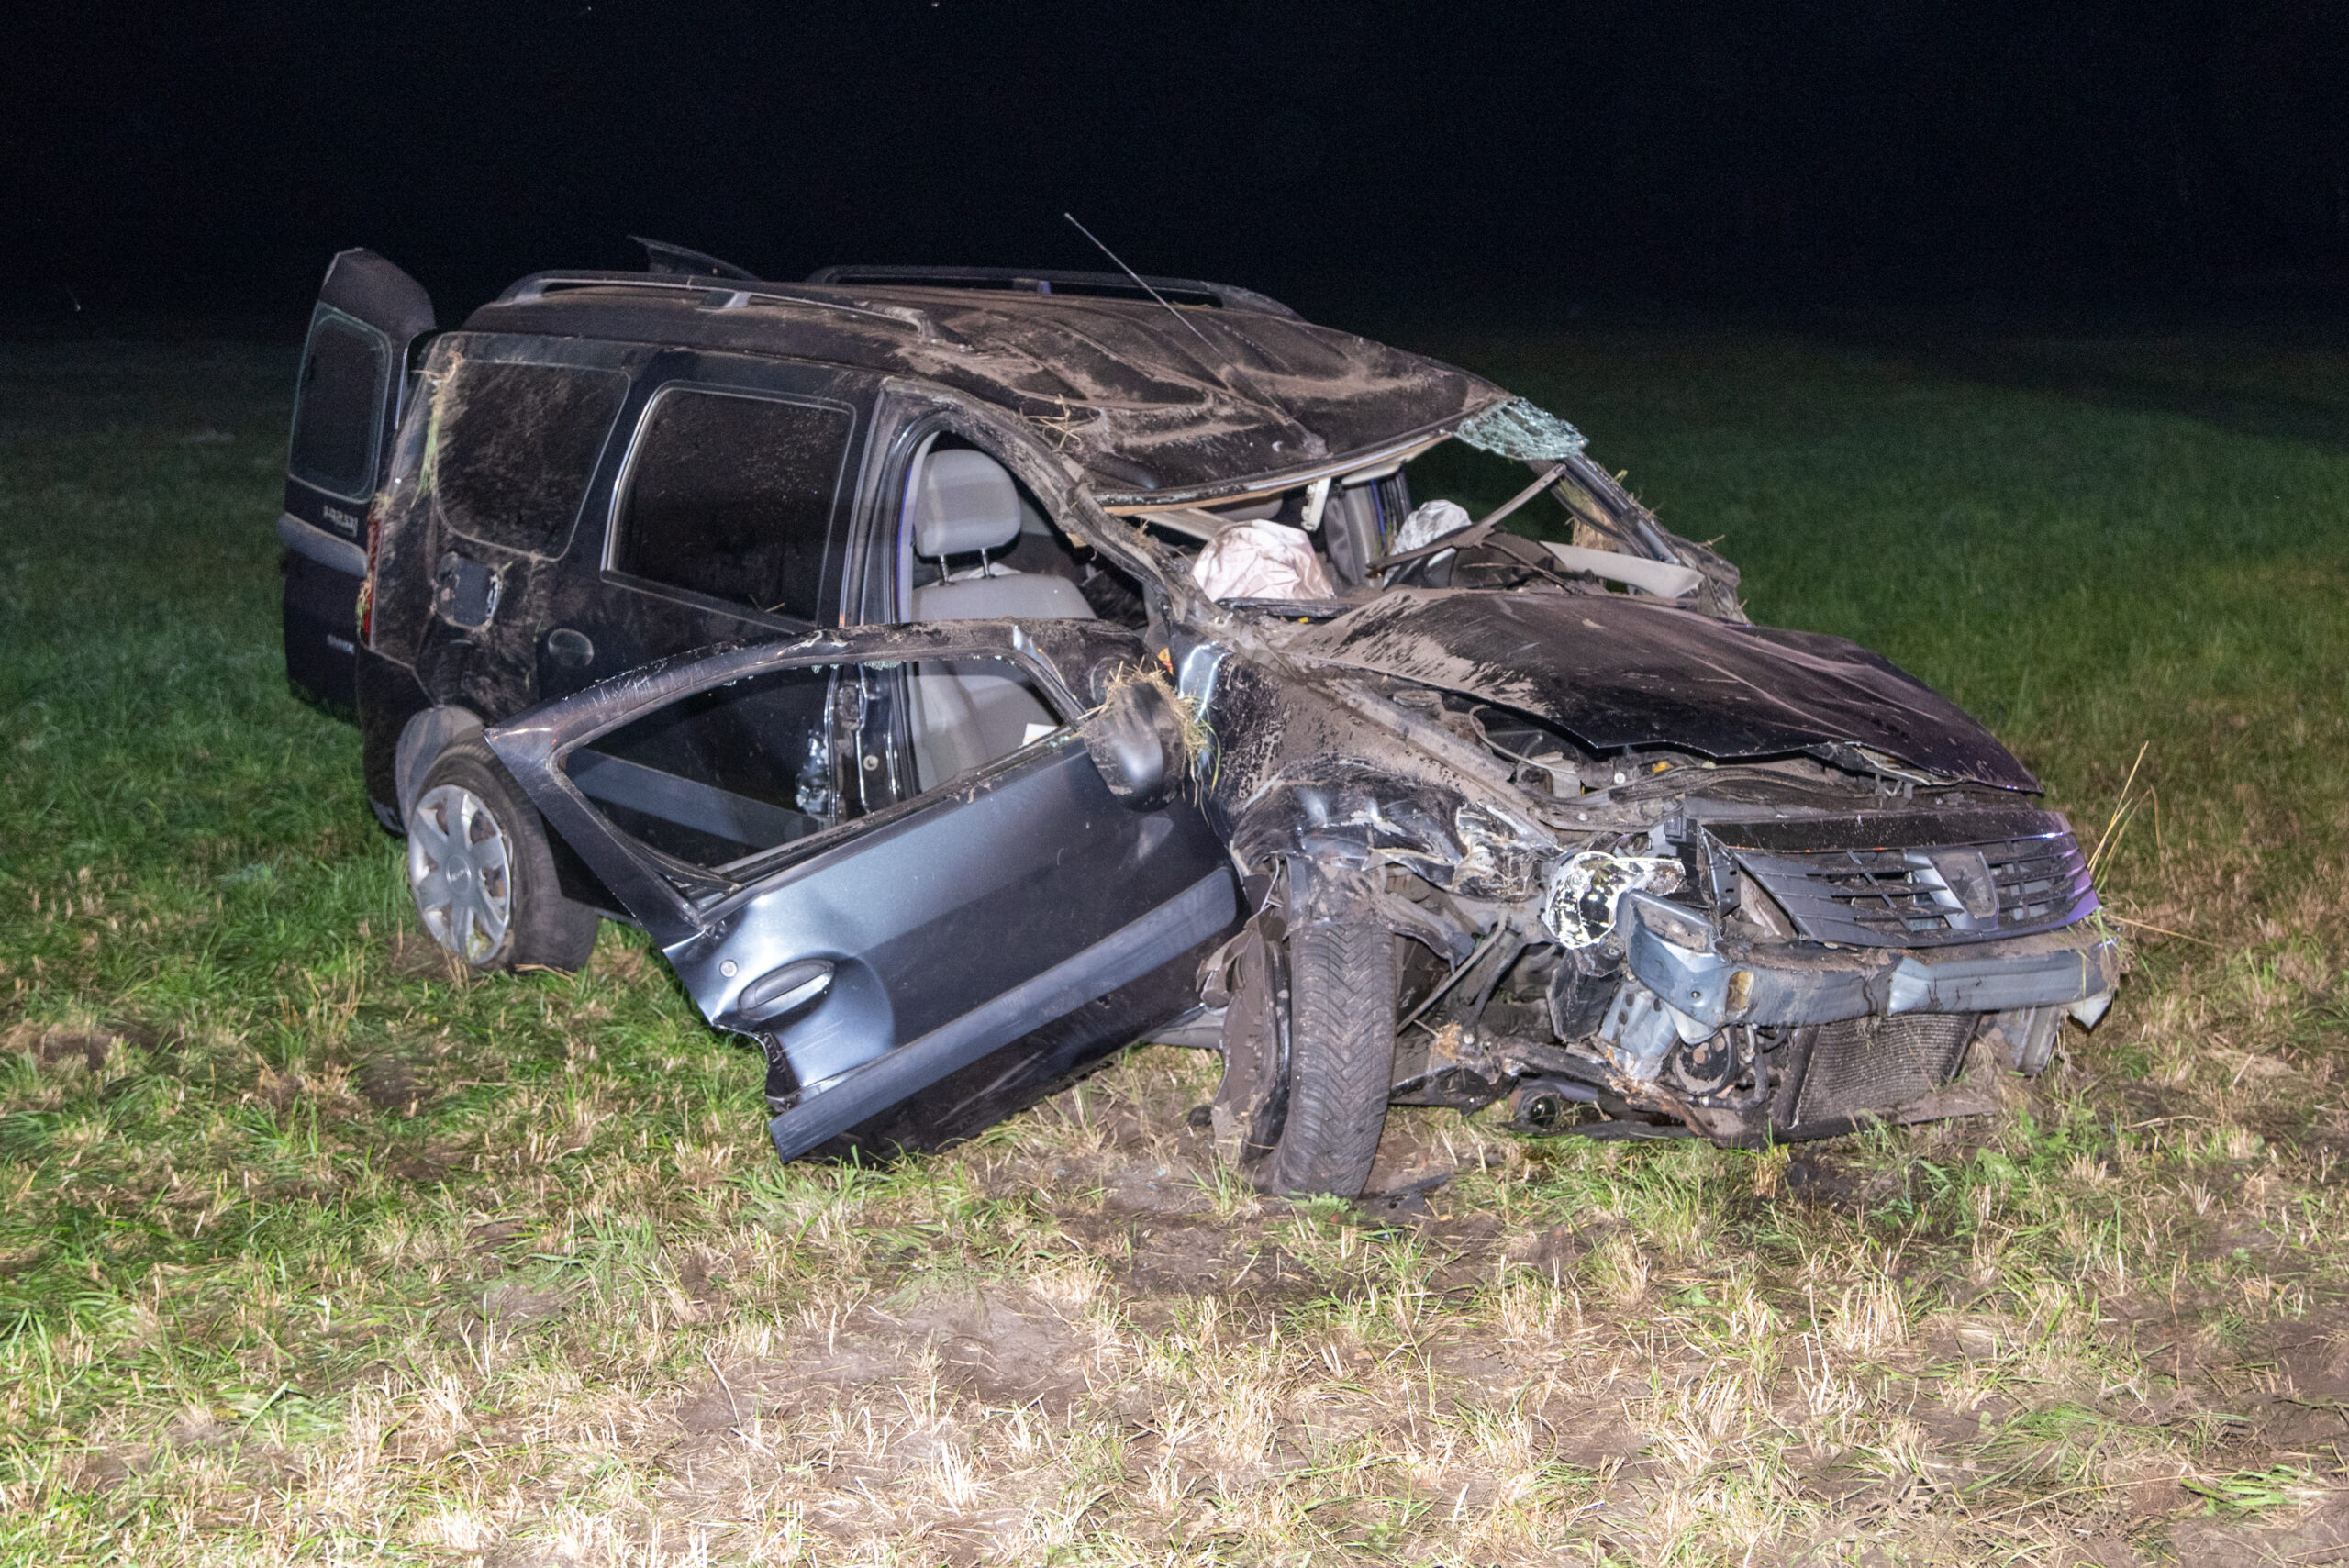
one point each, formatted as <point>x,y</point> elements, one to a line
<point>1966,873</point>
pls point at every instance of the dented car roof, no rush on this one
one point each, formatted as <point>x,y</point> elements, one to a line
<point>1158,404</point>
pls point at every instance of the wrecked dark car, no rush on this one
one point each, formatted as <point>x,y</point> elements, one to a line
<point>964,674</point>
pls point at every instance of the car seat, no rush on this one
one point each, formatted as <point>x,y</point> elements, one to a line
<point>966,713</point>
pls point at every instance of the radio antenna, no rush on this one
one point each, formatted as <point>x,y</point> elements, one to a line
<point>1140,279</point>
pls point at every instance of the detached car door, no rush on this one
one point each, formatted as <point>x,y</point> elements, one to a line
<point>346,407</point>
<point>888,854</point>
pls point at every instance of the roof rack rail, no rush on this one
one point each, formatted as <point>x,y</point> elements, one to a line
<point>1033,279</point>
<point>724,293</point>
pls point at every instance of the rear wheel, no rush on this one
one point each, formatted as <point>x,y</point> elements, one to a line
<point>480,871</point>
<point>1339,1017</point>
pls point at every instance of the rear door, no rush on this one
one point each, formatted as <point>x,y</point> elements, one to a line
<point>889,855</point>
<point>723,516</point>
<point>522,427</point>
<point>347,404</point>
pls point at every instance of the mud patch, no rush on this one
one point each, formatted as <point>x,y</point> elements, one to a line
<point>414,956</point>
<point>1558,1251</point>
<point>1121,1181</point>
<point>2322,1536</point>
<point>521,1307</point>
<point>95,1471</point>
<point>492,1234</point>
<point>60,1045</point>
<point>2313,1353</point>
<point>423,1166</point>
<point>1000,1347</point>
<point>1010,1348</point>
<point>1414,1157</point>
<point>1179,1258</point>
<point>390,1084</point>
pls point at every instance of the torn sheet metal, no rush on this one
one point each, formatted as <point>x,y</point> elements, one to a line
<point>1661,578</point>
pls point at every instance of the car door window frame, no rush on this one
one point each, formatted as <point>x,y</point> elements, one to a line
<point>709,380</point>
<point>904,429</point>
<point>906,422</point>
<point>698,896</point>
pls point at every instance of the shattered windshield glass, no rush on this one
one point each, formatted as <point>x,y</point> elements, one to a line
<point>1518,430</point>
<point>1329,539</point>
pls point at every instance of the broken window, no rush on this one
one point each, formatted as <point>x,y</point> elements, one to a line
<point>516,446</point>
<point>965,713</point>
<point>727,774</point>
<point>731,496</point>
<point>721,776</point>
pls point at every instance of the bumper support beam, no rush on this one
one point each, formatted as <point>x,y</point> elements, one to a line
<point>1672,952</point>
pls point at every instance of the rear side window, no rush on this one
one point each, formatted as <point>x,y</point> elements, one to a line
<point>731,496</point>
<point>515,447</point>
<point>338,406</point>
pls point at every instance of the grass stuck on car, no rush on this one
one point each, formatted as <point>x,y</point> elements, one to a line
<point>964,674</point>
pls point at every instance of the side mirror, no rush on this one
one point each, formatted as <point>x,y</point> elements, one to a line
<point>1135,739</point>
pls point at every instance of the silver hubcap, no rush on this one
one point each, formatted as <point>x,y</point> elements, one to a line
<point>457,867</point>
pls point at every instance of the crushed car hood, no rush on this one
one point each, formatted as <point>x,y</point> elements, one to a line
<point>1612,672</point>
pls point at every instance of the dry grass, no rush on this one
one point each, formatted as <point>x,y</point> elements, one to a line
<point>312,1251</point>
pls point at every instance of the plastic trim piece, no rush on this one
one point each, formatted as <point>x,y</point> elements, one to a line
<point>314,543</point>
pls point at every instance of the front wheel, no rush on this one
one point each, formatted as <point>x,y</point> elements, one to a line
<point>1331,1005</point>
<point>481,873</point>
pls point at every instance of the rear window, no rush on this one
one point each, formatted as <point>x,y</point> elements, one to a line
<point>338,406</point>
<point>516,445</point>
<point>731,496</point>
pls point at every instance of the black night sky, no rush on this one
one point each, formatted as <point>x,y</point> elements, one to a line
<point>1976,159</point>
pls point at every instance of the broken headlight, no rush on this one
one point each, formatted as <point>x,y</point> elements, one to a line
<point>1580,906</point>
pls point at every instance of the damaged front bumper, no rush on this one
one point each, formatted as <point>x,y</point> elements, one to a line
<point>1689,983</point>
<point>1746,1042</point>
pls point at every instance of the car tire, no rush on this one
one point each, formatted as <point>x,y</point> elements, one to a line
<point>481,875</point>
<point>1340,971</point>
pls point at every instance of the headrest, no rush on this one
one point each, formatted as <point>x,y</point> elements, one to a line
<point>964,501</point>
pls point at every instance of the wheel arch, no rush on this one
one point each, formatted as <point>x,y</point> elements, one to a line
<point>423,737</point>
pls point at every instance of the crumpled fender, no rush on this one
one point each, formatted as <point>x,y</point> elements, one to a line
<point>1344,814</point>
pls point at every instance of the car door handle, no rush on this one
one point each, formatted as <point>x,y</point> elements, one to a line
<point>778,991</point>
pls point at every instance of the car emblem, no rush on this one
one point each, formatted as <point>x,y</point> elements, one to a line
<point>1967,876</point>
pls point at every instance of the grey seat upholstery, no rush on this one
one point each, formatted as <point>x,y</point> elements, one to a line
<point>1013,595</point>
<point>965,502</point>
<point>966,713</point>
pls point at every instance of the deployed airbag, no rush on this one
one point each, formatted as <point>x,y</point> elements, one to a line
<point>1261,561</point>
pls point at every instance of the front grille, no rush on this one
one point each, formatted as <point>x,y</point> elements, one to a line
<point>1880,1064</point>
<point>1913,881</point>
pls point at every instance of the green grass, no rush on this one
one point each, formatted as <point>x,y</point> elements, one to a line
<point>308,1252</point>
